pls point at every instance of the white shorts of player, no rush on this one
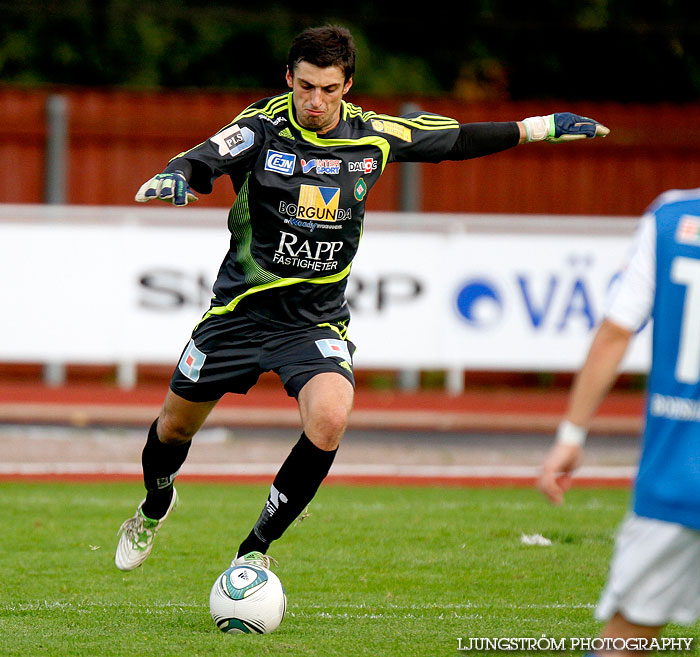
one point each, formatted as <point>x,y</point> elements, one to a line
<point>654,575</point>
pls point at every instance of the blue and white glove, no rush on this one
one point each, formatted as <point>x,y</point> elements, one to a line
<point>563,126</point>
<point>169,187</point>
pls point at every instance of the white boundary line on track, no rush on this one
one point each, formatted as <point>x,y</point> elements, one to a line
<point>359,471</point>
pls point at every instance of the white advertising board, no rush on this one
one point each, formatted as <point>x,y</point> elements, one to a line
<point>484,302</point>
<point>131,291</point>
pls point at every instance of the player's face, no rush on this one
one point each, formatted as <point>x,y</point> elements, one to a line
<point>317,93</point>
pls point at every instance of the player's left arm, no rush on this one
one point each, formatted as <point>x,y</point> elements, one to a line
<point>426,137</point>
<point>628,308</point>
<point>591,384</point>
<point>560,127</point>
<point>479,139</point>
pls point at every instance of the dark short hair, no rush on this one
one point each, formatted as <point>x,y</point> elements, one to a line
<point>330,45</point>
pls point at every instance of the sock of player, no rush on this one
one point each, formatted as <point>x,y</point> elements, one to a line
<point>161,463</point>
<point>293,488</point>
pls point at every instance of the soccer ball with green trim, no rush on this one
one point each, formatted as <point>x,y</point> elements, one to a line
<point>247,599</point>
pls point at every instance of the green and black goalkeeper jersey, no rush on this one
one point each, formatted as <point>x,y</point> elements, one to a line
<point>297,219</point>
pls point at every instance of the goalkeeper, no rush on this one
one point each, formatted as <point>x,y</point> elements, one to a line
<point>302,164</point>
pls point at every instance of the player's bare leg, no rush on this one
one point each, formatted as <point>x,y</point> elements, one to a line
<point>168,443</point>
<point>618,627</point>
<point>166,449</point>
<point>325,403</point>
<point>180,419</point>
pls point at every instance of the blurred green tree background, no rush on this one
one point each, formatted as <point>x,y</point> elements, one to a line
<point>602,50</point>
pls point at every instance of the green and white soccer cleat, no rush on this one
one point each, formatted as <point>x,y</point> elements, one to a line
<point>136,536</point>
<point>255,559</point>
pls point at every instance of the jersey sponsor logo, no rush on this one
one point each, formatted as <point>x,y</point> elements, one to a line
<point>331,167</point>
<point>393,129</point>
<point>191,362</point>
<point>360,189</point>
<point>367,165</point>
<point>306,254</point>
<point>674,408</point>
<point>310,225</point>
<point>280,162</point>
<point>287,134</point>
<point>688,230</point>
<point>334,348</point>
<point>292,211</point>
<point>318,203</point>
<point>234,140</point>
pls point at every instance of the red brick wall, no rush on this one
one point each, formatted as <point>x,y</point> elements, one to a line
<point>118,139</point>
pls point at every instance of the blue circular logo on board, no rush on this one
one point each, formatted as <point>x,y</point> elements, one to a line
<point>479,303</point>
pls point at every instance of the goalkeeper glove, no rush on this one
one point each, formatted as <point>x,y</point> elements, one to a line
<point>563,126</point>
<point>172,187</point>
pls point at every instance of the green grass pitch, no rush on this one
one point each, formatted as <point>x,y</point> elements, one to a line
<point>372,571</point>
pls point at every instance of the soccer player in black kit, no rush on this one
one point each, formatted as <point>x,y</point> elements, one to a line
<point>302,164</point>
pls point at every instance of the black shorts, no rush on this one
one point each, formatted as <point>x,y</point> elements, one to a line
<point>227,353</point>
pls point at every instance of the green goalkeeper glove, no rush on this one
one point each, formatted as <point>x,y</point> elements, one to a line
<point>169,187</point>
<point>563,126</point>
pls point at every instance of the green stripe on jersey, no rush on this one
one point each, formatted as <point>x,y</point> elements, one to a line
<point>280,282</point>
<point>242,232</point>
<point>273,107</point>
<point>310,136</point>
<point>420,122</point>
<point>341,328</point>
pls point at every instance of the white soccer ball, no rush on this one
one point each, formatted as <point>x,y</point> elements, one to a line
<point>247,599</point>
